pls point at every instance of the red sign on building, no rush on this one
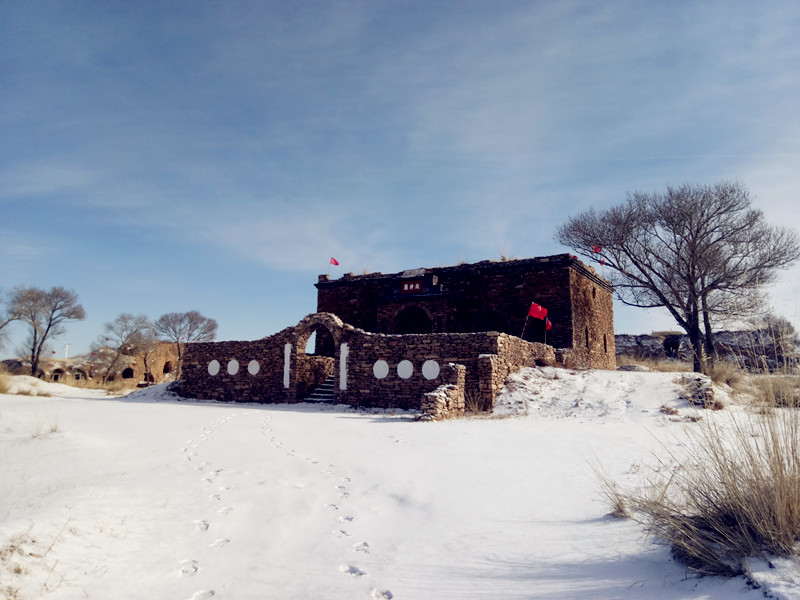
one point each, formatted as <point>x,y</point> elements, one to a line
<point>413,286</point>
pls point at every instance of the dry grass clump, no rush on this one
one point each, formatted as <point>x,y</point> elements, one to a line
<point>654,364</point>
<point>736,496</point>
<point>5,384</point>
<point>725,372</point>
<point>777,389</point>
<point>42,427</point>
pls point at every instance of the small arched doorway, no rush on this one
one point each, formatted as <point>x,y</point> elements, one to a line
<point>412,319</point>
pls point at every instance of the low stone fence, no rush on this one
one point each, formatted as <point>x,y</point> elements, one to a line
<point>369,369</point>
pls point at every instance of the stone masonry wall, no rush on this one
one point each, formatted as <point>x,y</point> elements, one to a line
<point>369,369</point>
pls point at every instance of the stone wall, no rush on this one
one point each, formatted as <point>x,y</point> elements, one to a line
<point>369,369</point>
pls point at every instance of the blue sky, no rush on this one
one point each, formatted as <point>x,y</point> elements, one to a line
<point>171,156</point>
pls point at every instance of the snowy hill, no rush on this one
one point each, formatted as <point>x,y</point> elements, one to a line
<point>145,496</point>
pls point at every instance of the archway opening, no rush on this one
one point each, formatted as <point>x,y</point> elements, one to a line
<point>320,342</point>
<point>127,373</point>
<point>168,367</point>
<point>412,319</point>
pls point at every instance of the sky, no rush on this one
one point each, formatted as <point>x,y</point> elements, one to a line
<point>170,156</point>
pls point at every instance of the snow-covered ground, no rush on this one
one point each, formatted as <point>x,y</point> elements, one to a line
<point>144,496</point>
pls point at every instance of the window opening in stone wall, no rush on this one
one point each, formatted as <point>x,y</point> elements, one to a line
<point>605,344</point>
<point>127,373</point>
<point>168,367</point>
<point>594,293</point>
<point>57,374</point>
<point>587,336</point>
<point>412,319</point>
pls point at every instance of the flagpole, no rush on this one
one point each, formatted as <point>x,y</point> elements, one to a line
<point>522,335</point>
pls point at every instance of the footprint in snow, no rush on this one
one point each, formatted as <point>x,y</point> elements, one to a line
<point>219,543</point>
<point>341,533</point>
<point>377,594</point>
<point>201,525</point>
<point>332,506</point>
<point>202,595</point>
<point>189,567</point>
<point>345,519</point>
<point>362,547</point>
<point>352,570</point>
<point>225,510</point>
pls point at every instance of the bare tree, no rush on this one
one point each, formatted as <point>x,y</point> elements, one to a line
<point>122,337</point>
<point>183,328</point>
<point>45,313</point>
<point>699,251</point>
<point>7,316</point>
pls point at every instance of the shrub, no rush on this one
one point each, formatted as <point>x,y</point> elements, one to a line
<point>737,494</point>
<point>725,372</point>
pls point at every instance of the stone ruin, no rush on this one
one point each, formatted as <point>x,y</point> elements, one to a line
<point>430,340</point>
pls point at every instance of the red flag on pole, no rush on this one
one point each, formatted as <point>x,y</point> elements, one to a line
<point>548,325</point>
<point>537,312</point>
<point>334,261</point>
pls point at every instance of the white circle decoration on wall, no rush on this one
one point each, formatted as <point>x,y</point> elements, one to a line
<point>380,369</point>
<point>405,369</point>
<point>233,367</point>
<point>213,367</point>
<point>430,369</point>
<point>253,367</point>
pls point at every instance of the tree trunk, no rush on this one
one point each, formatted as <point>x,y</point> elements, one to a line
<point>696,340</point>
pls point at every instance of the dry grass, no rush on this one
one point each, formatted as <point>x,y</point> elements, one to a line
<point>777,389</point>
<point>5,384</point>
<point>737,494</point>
<point>662,365</point>
<point>472,403</point>
<point>725,372</point>
<point>117,386</point>
<point>44,426</point>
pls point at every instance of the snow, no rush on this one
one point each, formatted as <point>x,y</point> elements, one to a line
<point>149,496</point>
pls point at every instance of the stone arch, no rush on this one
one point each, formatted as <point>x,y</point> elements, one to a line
<point>327,322</point>
<point>309,370</point>
<point>412,319</point>
<point>57,374</point>
<point>167,367</point>
<point>127,373</point>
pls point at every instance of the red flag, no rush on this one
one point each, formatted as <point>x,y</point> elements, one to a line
<point>536,311</point>
<point>54,351</point>
<point>334,261</point>
<point>596,248</point>
<point>548,325</point>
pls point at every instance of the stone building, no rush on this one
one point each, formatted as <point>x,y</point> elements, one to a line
<point>429,339</point>
<point>485,296</point>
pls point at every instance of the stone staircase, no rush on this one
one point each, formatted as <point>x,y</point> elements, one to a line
<point>323,393</point>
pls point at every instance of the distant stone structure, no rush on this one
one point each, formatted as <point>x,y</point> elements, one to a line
<point>427,339</point>
<point>159,367</point>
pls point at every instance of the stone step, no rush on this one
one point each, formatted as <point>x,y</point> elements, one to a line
<point>323,392</point>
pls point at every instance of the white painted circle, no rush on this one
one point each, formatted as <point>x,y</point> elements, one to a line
<point>233,367</point>
<point>380,369</point>
<point>430,369</point>
<point>253,367</point>
<point>405,369</point>
<point>213,367</point>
